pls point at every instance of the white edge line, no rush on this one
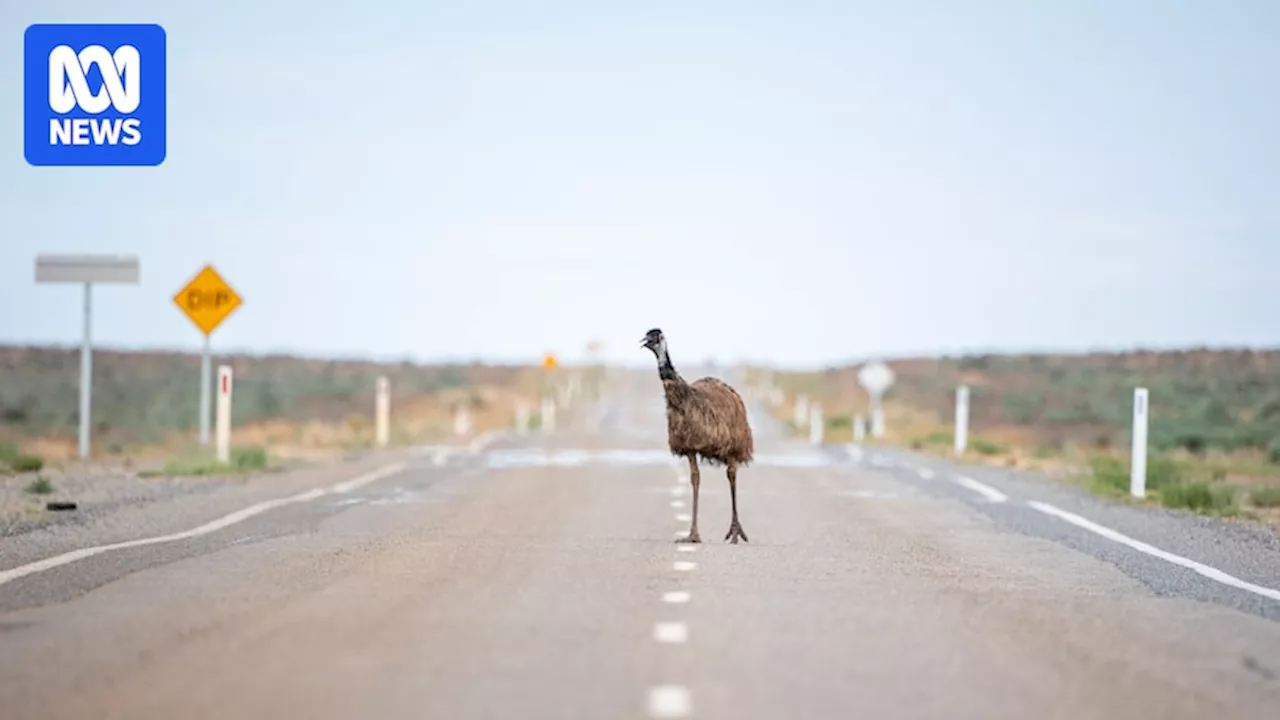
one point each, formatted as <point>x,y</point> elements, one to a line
<point>211,526</point>
<point>1106,532</point>
<point>985,490</point>
<point>482,441</point>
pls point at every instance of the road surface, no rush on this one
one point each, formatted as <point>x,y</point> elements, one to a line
<point>537,577</point>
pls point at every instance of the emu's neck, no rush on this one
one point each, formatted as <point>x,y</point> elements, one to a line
<point>666,371</point>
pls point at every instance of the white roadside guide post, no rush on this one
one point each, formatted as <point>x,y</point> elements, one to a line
<point>816,426</point>
<point>223,426</point>
<point>461,420</point>
<point>548,414</point>
<point>382,412</point>
<point>962,419</point>
<point>859,429</point>
<point>522,417</point>
<point>875,378</point>
<point>206,300</point>
<point>87,270</point>
<point>802,410</point>
<point>1138,465</point>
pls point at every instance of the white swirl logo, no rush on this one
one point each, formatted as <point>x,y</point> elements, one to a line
<point>68,86</point>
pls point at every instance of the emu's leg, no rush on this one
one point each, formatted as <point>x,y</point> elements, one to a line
<point>735,528</point>
<point>694,481</point>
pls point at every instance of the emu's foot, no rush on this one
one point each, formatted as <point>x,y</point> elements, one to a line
<point>735,532</point>
<point>692,537</point>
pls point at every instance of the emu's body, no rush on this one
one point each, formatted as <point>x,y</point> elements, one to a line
<point>705,419</point>
<point>708,418</point>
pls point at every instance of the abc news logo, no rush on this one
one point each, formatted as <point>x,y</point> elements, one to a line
<point>69,89</point>
<point>95,95</point>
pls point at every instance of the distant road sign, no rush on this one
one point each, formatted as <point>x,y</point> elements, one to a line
<point>207,299</point>
<point>549,361</point>
<point>875,377</point>
<point>87,269</point>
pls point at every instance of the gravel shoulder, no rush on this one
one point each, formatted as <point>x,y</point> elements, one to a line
<point>1245,549</point>
<point>115,505</point>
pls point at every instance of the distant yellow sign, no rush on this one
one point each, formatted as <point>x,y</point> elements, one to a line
<point>549,361</point>
<point>207,299</point>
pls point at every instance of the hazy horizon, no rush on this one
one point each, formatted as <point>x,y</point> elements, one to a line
<point>645,358</point>
<point>803,184</point>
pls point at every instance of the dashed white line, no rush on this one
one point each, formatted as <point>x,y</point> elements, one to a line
<point>869,494</point>
<point>212,526</point>
<point>685,548</point>
<point>683,517</point>
<point>677,491</point>
<point>675,597</point>
<point>1106,532</point>
<point>926,473</point>
<point>677,504</point>
<point>986,491</point>
<point>672,633</point>
<point>669,701</point>
<point>684,565</point>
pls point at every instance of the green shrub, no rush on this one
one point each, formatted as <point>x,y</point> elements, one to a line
<point>1199,496</point>
<point>1041,452</point>
<point>27,463</point>
<point>1273,451</point>
<point>194,465</point>
<point>1267,496</point>
<point>40,486</point>
<point>1163,472</point>
<point>254,458</point>
<point>987,447</point>
<point>1110,475</point>
<point>1113,473</point>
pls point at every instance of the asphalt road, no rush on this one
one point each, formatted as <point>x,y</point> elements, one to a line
<point>539,578</point>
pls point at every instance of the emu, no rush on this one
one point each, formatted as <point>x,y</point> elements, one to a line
<point>706,419</point>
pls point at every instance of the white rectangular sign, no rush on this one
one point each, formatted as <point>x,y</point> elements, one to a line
<point>91,269</point>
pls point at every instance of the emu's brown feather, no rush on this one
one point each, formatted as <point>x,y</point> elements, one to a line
<point>707,417</point>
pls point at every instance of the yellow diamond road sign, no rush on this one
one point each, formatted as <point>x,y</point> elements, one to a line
<point>549,361</point>
<point>207,299</point>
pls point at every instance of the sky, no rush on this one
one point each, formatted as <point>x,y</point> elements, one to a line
<point>801,183</point>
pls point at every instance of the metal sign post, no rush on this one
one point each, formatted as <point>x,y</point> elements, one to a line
<point>87,270</point>
<point>207,300</point>
<point>875,378</point>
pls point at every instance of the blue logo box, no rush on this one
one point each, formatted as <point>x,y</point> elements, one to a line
<point>94,95</point>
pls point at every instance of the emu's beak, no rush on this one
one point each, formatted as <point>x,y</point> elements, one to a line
<point>644,342</point>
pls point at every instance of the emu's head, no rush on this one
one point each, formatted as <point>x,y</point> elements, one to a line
<point>654,341</point>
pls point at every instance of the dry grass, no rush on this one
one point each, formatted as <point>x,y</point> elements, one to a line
<point>298,409</point>
<point>1215,425</point>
